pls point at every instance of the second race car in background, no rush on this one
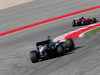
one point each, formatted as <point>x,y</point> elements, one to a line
<point>83,21</point>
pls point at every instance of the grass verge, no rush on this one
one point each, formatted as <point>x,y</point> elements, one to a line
<point>91,32</point>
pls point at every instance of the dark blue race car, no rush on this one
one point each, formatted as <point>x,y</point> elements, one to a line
<point>47,49</point>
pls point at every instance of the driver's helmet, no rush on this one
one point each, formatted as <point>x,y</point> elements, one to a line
<point>49,38</point>
<point>82,18</point>
<point>50,41</point>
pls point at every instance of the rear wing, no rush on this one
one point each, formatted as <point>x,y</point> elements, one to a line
<point>42,42</point>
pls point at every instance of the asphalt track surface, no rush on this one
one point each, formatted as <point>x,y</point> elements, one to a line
<point>14,48</point>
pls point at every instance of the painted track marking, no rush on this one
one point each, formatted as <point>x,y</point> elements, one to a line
<point>48,20</point>
<point>76,33</point>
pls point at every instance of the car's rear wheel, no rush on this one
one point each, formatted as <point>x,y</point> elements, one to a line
<point>70,43</point>
<point>60,50</point>
<point>73,24</point>
<point>34,56</point>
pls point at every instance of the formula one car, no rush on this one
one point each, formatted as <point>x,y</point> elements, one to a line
<point>83,21</point>
<point>47,49</point>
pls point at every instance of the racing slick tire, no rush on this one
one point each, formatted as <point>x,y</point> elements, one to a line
<point>70,43</point>
<point>94,20</point>
<point>60,50</point>
<point>74,23</point>
<point>34,56</point>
